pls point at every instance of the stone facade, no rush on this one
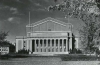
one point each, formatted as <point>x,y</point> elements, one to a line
<point>47,36</point>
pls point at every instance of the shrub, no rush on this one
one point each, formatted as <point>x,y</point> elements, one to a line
<point>98,51</point>
<point>75,51</point>
<point>23,51</point>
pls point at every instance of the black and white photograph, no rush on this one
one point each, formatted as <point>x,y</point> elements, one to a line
<point>49,32</point>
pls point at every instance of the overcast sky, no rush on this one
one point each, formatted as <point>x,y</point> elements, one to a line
<point>14,16</point>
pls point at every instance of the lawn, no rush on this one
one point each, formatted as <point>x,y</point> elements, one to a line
<point>64,57</point>
<point>77,57</point>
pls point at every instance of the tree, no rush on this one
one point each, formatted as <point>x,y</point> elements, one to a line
<point>3,35</point>
<point>88,32</point>
<point>76,8</point>
<point>88,12</point>
<point>3,41</point>
<point>98,3</point>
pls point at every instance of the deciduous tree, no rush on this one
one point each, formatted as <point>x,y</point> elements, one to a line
<point>86,10</point>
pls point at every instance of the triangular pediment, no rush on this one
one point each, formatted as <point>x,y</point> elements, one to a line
<point>50,24</point>
<point>49,19</point>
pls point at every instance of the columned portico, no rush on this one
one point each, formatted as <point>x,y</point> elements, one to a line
<point>52,45</point>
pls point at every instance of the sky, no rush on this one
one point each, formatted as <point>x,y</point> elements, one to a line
<point>14,16</point>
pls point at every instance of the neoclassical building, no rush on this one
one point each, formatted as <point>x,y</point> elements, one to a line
<point>47,36</point>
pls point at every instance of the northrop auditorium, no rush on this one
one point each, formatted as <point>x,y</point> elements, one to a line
<point>47,36</point>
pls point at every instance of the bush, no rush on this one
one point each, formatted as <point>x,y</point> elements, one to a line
<point>98,51</point>
<point>23,51</point>
<point>75,51</point>
<point>79,57</point>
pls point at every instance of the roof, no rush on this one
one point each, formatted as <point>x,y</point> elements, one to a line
<point>49,18</point>
<point>21,37</point>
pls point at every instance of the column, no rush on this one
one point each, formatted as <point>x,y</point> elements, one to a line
<point>66,45</point>
<point>62,45</point>
<point>70,41</point>
<point>22,44</point>
<point>46,45</point>
<point>16,46</point>
<point>58,45</point>
<point>31,45</point>
<point>35,45</point>
<point>42,45</point>
<point>27,45</point>
<point>39,45</point>
<point>50,45</point>
<point>54,45</point>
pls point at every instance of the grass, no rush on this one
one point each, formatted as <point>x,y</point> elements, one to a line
<point>75,57</point>
<point>64,57</point>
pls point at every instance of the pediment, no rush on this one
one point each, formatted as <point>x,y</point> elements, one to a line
<point>50,24</point>
<point>48,19</point>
